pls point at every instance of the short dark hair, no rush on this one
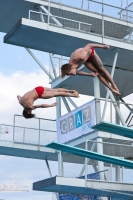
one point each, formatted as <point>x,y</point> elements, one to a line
<point>65,69</point>
<point>27,115</point>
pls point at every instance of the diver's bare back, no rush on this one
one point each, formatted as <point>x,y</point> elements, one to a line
<point>79,56</point>
<point>28,99</point>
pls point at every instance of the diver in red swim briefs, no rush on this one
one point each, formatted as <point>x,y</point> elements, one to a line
<point>28,99</point>
<point>91,60</point>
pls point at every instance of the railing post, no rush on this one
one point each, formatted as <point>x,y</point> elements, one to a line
<point>48,12</point>
<point>79,25</point>
<point>0,131</point>
<point>117,120</point>
<point>102,22</point>
<point>82,4</point>
<point>60,164</point>
<point>39,134</point>
<point>13,128</point>
<point>127,11</point>
<point>88,4</point>
<point>118,173</point>
<point>86,162</point>
<point>29,13</point>
<point>110,112</point>
<point>132,10</point>
<point>61,63</point>
<point>24,136</point>
<point>122,174</point>
<point>121,9</point>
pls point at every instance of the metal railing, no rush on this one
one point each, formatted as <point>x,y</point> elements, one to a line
<point>99,26</point>
<point>35,122</point>
<point>109,113</point>
<point>81,167</point>
<point>67,23</point>
<point>32,133</point>
<point>98,7</point>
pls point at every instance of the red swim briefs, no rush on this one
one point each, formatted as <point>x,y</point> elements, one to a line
<point>39,91</point>
<point>91,56</point>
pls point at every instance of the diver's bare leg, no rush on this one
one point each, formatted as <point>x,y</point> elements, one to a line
<point>47,94</point>
<point>98,63</point>
<point>92,67</point>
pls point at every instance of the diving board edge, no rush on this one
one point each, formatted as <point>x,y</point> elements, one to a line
<point>91,155</point>
<point>114,129</point>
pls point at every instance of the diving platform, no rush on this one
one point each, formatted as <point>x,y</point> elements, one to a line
<point>114,129</point>
<point>90,154</point>
<point>41,36</point>
<point>27,151</point>
<point>93,187</point>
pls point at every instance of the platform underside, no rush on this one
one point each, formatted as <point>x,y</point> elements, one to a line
<point>74,185</point>
<point>84,84</point>
<point>37,35</point>
<point>11,11</point>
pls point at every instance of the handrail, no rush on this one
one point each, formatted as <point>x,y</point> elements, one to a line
<point>102,3</point>
<point>58,17</point>
<point>27,127</point>
<point>37,118</point>
<point>110,5</point>
<point>97,99</point>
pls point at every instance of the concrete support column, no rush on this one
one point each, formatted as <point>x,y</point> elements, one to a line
<point>97,96</point>
<point>98,119</point>
<point>100,164</point>
<point>60,164</point>
<point>60,158</point>
<point>58,107</point>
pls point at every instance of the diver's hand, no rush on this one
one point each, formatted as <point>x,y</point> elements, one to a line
<point>106,46</point>
<point>54,104</point>
<point>94,74</point>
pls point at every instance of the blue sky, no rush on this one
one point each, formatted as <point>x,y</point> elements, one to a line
<point>18,74</point>
<point>17,58</point>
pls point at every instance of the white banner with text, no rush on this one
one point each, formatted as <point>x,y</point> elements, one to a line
<point>76,123</point>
